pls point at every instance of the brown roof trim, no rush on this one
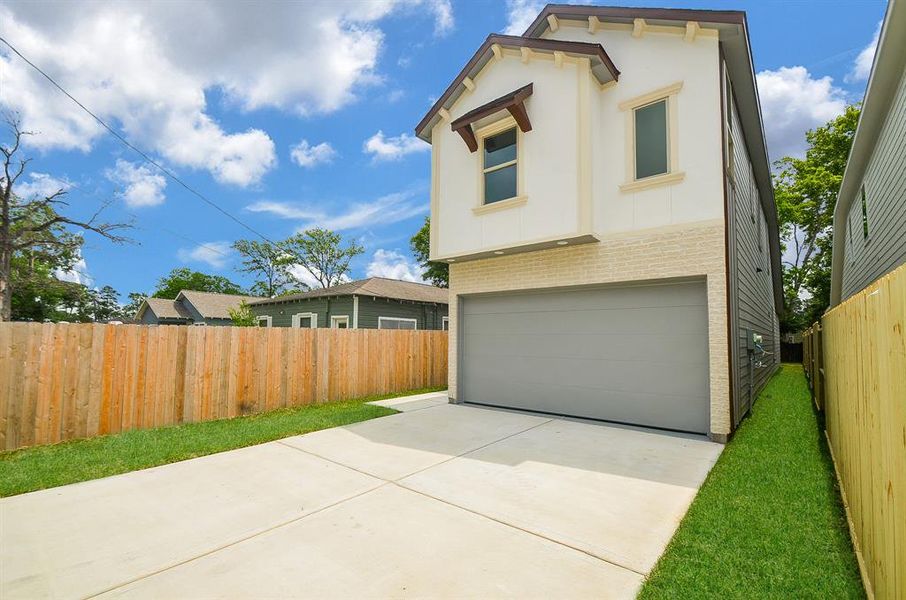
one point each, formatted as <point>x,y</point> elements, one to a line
<point>513,102</point>
<point>582,48</point>
<point>623,13</point>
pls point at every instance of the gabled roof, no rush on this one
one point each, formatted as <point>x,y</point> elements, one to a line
<point>601,66</point>
<point>211,305</point>
<point>164,308</point>
<point>886,73</point>
<point>378,287</point>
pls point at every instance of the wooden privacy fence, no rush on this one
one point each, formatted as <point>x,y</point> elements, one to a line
<point>61,381</point>
<point>856,359</point>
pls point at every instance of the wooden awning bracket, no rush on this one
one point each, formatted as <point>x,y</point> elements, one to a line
<point>514,103</point>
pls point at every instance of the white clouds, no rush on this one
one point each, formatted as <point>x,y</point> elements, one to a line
<point>392,264</point>
<point>305,277</point>
<point>520,14</point>
<point>78,273</point>
<point>792,102</point>
<point>215,254</point>
<point>391,208</point>
<point>142,186</point>
<point>146,67</point>
<point>306,155</point>
<point>40,185</point>
<point>393,148</point>
<point>862,67</point>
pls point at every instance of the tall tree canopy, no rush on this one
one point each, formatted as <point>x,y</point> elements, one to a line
<point>268,263</point>
<point>322,254</point>
<point>805,190</point>
<point>36,239</point>
<point>437,273</point>
<point>180,279</point>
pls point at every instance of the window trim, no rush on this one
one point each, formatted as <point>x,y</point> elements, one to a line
<point>199,324</point>
<point>334,319</point>
<point>487,131</point>
<point>674,174</point>
<point>297,320</point>
<point>407,319</point>
<point>445,323</point>
<point>268,320</point>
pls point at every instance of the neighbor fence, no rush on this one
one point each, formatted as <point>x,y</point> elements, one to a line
<point>856,363</point>
<point>65,381</point>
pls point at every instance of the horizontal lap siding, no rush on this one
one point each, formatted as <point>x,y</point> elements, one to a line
<point>282,313</point>
<point>754,300</point>
<point>885,194</point>
<point>67,381</point>
<point>429,316</point>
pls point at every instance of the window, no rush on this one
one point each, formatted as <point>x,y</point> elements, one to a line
<point>339,322</point>
<point>445,323</point>
<point>651,140</point>
<point>499,167</point>
<point>864,215</point>
<point>396,323</point>
<point>264,321</point>
<point>202,324</point>
<point>307,320</point>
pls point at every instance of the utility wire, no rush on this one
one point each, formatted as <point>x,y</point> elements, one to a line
<point>147,158</point>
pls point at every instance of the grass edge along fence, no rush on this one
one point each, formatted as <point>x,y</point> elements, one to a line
<point>856,364</point>
<point>69,381</point>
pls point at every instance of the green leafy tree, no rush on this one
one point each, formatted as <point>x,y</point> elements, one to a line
<point>243,316</point>
<point>322,254</point>
<point>806,190</point>
<point>36,238</point>
<point>437,273</point>
<point>135,302</point>
<point>105,304</point>
<point>268,263</point>
<point>187,279</point>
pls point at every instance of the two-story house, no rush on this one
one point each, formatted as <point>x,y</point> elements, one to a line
<point>601,190</point>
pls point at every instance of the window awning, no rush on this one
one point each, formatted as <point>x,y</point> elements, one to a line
<point>512,102</point>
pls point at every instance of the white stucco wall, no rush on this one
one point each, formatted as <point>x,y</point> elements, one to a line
<point>566,101</point>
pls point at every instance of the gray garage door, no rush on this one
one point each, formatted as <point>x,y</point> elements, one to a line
<point>632,354</point>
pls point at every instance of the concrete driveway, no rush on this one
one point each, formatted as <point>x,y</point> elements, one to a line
<point>439,501</point>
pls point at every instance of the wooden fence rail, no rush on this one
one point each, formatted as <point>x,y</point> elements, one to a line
<point>856,359</point>
<point>62,381</point>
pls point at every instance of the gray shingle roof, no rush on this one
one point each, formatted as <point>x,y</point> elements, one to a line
<point>378,287</point>
<point>214,306</point>
<point>165,308</point>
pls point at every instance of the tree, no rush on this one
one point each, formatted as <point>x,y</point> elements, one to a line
<point>187,279</point>
<point>437,273</point>
<point>319,252</point>
<point>805,190</point>
<point>269,263</point>
<point>32,228</point>
<point>105,305</point>
<point>135,302</point>
<point>243,316</point>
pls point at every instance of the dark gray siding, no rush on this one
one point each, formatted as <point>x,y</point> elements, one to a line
<point>149,318</point>
<point>865,260</point>
<point>282,313</point>
<point>428,316</point>
<point>751,287</point>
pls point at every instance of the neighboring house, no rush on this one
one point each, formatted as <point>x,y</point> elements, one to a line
<point>191,308</point>
<point>373,303</point>
<point>601,189</point>
<point>870,215</point>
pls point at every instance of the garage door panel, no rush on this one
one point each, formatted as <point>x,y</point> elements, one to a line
<point>625,376</point>
<point>683,412</point>
<point>651,296</point>
<point>634,354</point>
<point>638,321</point>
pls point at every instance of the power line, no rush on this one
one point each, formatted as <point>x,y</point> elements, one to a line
<point>124,141</point>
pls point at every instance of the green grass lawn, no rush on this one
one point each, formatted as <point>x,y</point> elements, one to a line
<point>43,467</point>
<point>768,521</point>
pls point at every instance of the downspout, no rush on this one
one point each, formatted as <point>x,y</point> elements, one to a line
<point>355,312</point>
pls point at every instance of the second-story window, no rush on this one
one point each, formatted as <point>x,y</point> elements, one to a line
<point>651,140</point>
<point>499,166</point>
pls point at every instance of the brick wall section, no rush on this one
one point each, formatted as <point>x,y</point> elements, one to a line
<point>687,251</point>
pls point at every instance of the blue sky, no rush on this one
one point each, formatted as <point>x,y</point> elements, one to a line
<point>298,115</point>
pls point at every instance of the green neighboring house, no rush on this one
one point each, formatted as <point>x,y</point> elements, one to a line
<point>190,308</point>
<point>373,303</point>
